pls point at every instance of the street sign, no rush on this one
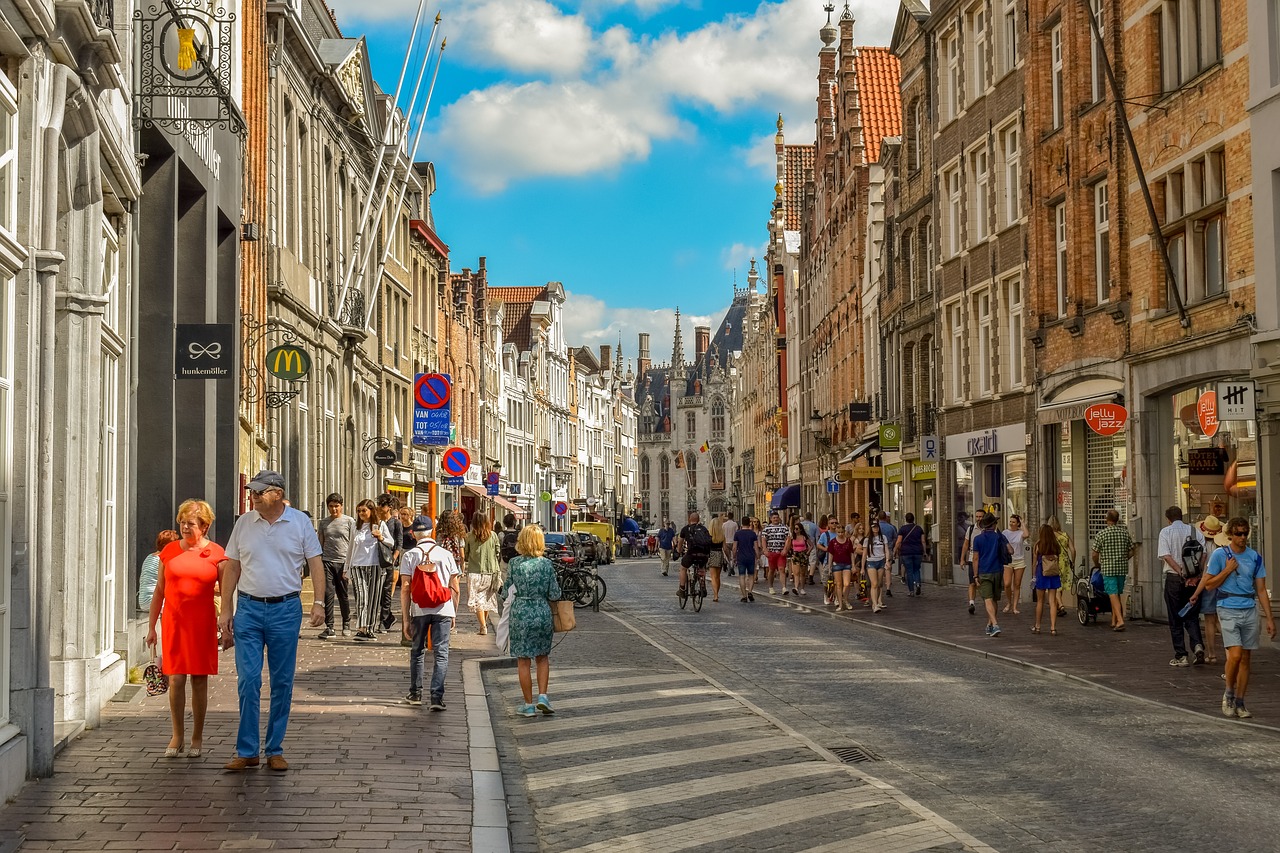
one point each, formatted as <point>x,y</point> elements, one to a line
<point>453,481</point>
<point>833,487</point>
<point>204,350</point>
<point>859,412</point>
<point>929,448</point>
<point>455,461</point>
<point>514,487</point>
<point>890,436</point>
<point>432,409</point>
<point>384,457</point>
<point>1236,400</point>
<point>545,496</point>
<point>491,489</point>
<point>1106,418</point>
<point>1207,413</point>
<point>561,507</point>
<point>491,478</point>
<point>289,362</point>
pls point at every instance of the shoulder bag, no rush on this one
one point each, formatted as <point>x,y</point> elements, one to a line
<point>562,616</point>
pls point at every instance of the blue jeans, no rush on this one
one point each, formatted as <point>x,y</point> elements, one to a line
<point>275,626</point>
<point>439,627</point>
<point>911,565</point>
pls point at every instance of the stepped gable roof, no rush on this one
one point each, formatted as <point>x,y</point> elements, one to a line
<point>515,319</point>
<point>879,96</point>
<point>798,162</point>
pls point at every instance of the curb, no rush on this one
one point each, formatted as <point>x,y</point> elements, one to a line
<point>778,601</point>
<point>490,832</point>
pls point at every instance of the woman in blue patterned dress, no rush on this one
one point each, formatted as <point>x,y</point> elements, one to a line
<point>534,579</point>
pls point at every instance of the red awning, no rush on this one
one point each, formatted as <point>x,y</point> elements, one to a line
<point>517,511</point>
<point>598,517</point>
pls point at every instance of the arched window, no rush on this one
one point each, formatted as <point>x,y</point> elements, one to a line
<point>717,469</point>
<point>691,463</point>
<point>717,418</point>
<point>644,476</point>
<point>664,472</point>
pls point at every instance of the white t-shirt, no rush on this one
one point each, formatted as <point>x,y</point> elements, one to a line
<point>1172,538</point>
<point>430,556</point>
<point>730,528</point>
<point>272,554</point>
<point>1017,541</point>
<point>364,545</point>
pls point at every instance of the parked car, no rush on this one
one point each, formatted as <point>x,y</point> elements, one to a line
<point>604,532</point>
<point>563,548</point>
<point>591,547</point>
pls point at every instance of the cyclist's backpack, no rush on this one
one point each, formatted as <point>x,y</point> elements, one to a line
<point>1192,555</point>
<point>507,551</point>
<point>425,588</point>
<point>700,540</point>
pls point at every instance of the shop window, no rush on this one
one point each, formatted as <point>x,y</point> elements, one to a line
<point>1064,504</point>
<point>962,502</point>
<point>1214,474</point>
<point>1015,488</point>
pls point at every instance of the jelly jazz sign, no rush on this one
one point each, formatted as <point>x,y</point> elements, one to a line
<point>1207,413</point>
<point>1106,418</point>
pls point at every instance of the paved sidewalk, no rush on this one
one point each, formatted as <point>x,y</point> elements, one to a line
<point>366,771</point>
<point>1134,662</point>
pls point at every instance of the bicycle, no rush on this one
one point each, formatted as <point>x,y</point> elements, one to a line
<point>696,588</point>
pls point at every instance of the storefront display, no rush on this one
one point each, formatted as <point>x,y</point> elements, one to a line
<point>1214,462</point>
<point>988,472</point>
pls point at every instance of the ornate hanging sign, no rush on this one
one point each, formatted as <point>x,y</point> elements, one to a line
<point>186,60</point>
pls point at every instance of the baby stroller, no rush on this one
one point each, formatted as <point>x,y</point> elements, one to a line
<point>1090,598</point>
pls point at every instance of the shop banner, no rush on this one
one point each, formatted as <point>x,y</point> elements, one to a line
<point>893,473</point>
<point>1207,413</point>
<point>1106,419</point>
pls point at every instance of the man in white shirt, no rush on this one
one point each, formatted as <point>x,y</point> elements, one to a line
<point>268,546</point>
<point>1180,583</point>
<point>427,556</point>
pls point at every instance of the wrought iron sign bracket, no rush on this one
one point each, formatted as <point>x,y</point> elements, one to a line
<point>372,444</point>
<point>185,65</point>
<point>253,387</point>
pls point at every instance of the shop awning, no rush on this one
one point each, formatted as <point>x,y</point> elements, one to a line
<point>788,497</point>
<point>598,517</point>
<point>517,511</point>
<point>1073,407</point>
<point>860,450</point>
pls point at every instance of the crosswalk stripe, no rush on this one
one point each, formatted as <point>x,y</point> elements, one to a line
<point>586,809</point>
<point>561,722</point>
<point>683,731</point>
<point>607,699</point>
<point>714,828</point>
<point>574,684</point>
<point>908,838</point>
<point>622,766</point>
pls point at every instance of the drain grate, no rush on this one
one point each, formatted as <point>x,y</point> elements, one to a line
<point>854,754</point>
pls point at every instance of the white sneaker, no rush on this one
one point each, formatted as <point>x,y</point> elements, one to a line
<point>1182,661</point>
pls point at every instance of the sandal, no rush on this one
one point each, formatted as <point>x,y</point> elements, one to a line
<point>1211,659</point>
<point>1053,631</point>
<point>1035,629</point>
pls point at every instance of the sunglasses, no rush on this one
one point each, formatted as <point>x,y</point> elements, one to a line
<point>1238,533</point>
<point>258,494</point>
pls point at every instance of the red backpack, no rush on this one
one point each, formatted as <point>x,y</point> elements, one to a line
<point>425,589</point>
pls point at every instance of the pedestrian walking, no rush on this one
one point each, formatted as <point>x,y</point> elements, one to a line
<point>729,529</point>
<point>775,546</point>
<point>1112,549</point>
<point>1017,567</point>
<point>666,541</point>
<point>183,602</point>
<point>370,545</point>
<point>743,550</point>
<point>450,532</point>
<point>406,526</point>
<point>890,537</point>
<point>261,608</point>
<point>1046,558</point>
<point>910,548</point>
<point>875,551</point>
<point>1211,530</point>
<point>389,515</point>
<point>1182,557</point>
<point>715,560</point>
<point>533,578</point>
<point>149,574</point>
<point>421,621</point>
<point>1067,552</point>
<point>798,548</point>
<point>1237,572</point>
<point>840,551</point>
<point>484,570</point>
<point>812,530</point>
<point>966,555</point>
<point>826,535</point>
<point>337,532</point>
<point>990,554</point>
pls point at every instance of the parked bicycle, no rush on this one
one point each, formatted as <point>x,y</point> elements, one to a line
<point>579,584</point>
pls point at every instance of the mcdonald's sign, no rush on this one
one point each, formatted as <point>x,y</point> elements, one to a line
<point>289,362</point>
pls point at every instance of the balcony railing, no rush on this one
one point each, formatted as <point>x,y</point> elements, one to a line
<point>929,421</point>
<point>910,422</point>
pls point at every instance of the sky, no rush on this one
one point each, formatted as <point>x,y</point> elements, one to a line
<point>622,147</point>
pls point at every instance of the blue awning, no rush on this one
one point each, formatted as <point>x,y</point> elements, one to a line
<point>788,497</point>
<point>629,525</point>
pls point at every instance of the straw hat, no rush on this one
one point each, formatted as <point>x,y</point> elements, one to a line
<point>1211,527</point>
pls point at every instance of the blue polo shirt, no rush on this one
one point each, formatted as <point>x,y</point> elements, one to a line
<point>666,536</point>
<point>987,545</point>
<point>1237,591</point>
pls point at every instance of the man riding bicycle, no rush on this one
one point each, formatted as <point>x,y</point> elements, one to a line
<point>695,543</point>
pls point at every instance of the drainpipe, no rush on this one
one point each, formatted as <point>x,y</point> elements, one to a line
<point>48,264</point>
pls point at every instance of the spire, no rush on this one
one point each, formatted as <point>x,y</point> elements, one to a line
<point>753,277</point>
<point>617,368</point>
<point>677,348</point>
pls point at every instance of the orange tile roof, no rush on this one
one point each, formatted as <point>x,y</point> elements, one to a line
<point>518,302</point>
<point>879,74</point>
<point>798,161</point>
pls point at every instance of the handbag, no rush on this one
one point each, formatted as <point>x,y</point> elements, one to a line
<point>502,631</point>
<point>157,682</point>
<point>385,551</point>
<point>562,616</point>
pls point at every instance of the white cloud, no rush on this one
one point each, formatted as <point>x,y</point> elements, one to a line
<point>738,258</point>
<point>591,322</point>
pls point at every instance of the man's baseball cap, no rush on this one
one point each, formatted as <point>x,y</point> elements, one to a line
<point>266,480</point>
<point>422,525</point>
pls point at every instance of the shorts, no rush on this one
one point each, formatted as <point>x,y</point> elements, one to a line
<point>841,567</point>
<point>1240,626</point>
<point>875,564</point>
<point>989,586</point>
<point>777,560</point>
<point>743,570</point>
<point>687,560</point>
<point>1113,584</point>
<point>1209,602</point>
<point>716,560</point>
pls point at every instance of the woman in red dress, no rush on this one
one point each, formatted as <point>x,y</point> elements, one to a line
<point>183,600</point>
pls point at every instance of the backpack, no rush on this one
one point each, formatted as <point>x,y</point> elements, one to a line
<point>1049,566</point>
<point>425,589</point>
<point>507,551</point>
<point>1192,555</point>
<point>699,540</point>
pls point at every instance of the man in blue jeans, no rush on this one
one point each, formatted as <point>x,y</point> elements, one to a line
<point>911,549</point>
<point>427,556</point>
<point>267,546</point>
